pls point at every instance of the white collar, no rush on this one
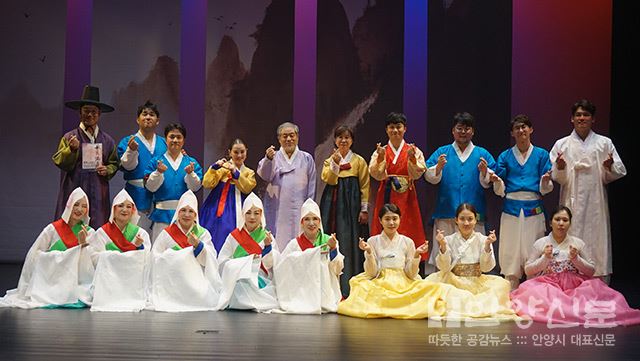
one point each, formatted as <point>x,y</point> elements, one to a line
<point>150,146</point>
<point>293,155</point>
<point>175,164</point>
<point>346,159</point>
<point>92,137</point>
<point>467,151</point>
<point>522,158</point>
<point>395,151</point>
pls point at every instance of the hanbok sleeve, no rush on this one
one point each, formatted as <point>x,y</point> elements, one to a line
<point>583,261</point>
<point>487,259</point>
<point>64,158</point>
<point>377,170</point>
<point>537,261</point>
<point>113,163</point>
<point>364,182</point>
<point>330,172</point>
<point>246,180</point>
<point>370,262</point>
<point>618,170</point>
<point>411,263</point>
<point>417,170</point>
<point>212,177</point>
<point>128,157</point>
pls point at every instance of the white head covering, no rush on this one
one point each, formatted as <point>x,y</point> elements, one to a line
<point>75,196</point>
<point>309,206</point>
<point>252,200</point>
<point>188,199</point>
<point>120,198</point>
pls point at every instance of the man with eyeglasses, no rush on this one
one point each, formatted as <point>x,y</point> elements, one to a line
<point>584,162</point>
<point>291,176</point>
<point>461,171</point>
<point>87,158</point>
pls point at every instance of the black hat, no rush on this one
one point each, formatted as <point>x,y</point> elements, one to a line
<point>90,96</point>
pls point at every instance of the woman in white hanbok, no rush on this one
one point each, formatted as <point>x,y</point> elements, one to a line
<point>246,262</point>
<point>307,272</point>
<point>58,270</point>
<point>122,258</point>
<point>184,272</point>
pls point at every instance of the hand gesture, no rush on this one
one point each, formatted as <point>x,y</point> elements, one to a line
<point>411,153</point>
<point>336,156</point>
<point>424,248</point>
<point>138,241</point>
<point>193,239</point>
<point>494,178</point>
<point>442,160</point>
<point>101,170</point>
<point>270,152</point>
<point>132,144</point>
<point>268,239</point>
<point>82,235</point>
<point>608,162</point>
<point>332,242</point>
<point>363,217</point>
<point>560,162</point>
<point>74,143</point>
<point>221,162</point>
<point>548,251</point>
<point>441,242</point>
<point>483,166</point>
<point>161,167</point>
<point>364,245</point>
<point>490,239</point>
<point>547,176</point>
<point>381,151</point>
<point>189,168</point>
<point>573,252</point>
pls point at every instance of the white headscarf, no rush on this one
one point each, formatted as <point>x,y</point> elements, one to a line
<point>188,199</point>
<point>309,206</point>
<point>119,199</point>
<point>75,196</point>
<point>251,201</point>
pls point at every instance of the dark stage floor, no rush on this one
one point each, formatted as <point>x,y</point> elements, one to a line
<point>85,335</point>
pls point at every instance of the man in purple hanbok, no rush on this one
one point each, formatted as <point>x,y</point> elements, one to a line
<point>87,158</point>
<point>291,177</point>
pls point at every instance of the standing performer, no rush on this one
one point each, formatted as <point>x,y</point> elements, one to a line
<point>396,166</point>
<point>291,177</point>
<point>344,204</point>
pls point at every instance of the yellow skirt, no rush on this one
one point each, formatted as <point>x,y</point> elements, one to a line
<point>485,296</point>
<point>392,294</point>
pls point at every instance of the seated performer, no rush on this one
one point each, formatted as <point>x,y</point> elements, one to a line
<point>462,258</point>
<point>184,271</point>
<point>308,271</point>
<point>563,290</point>
<point>390,285</point>
<point>58,270</point>
<point>246,262</point>
<point>121,276</point>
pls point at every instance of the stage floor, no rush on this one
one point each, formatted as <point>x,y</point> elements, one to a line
<point>238,335</point>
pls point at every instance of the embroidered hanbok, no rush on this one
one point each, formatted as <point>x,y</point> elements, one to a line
<point>563,292</point>
<point>583,189</point>
<point>291,180</point>
<point>246,266</point>
<point>390,285</point>
<point>397,176</point>
<point>222,210</point>
<point>121,280</point>
<point>472,294</point>
<point>57,272</point>
<point>184,278</point>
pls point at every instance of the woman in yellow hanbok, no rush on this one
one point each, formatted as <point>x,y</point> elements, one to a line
<point>462,259</point>
<point>390,285</point>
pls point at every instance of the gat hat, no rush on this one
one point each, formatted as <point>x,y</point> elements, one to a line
<point>90,96</point>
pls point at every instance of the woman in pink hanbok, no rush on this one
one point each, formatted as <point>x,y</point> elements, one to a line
<point>561,288</point>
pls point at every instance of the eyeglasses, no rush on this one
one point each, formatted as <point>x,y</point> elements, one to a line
<point>463,129</point>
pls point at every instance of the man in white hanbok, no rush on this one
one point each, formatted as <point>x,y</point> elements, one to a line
<point>184,271</point>
<point>122,258</point>
<point>58,271</point>
<point>246,262</point>
<point>308,270</point>
<point>583,164</point>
